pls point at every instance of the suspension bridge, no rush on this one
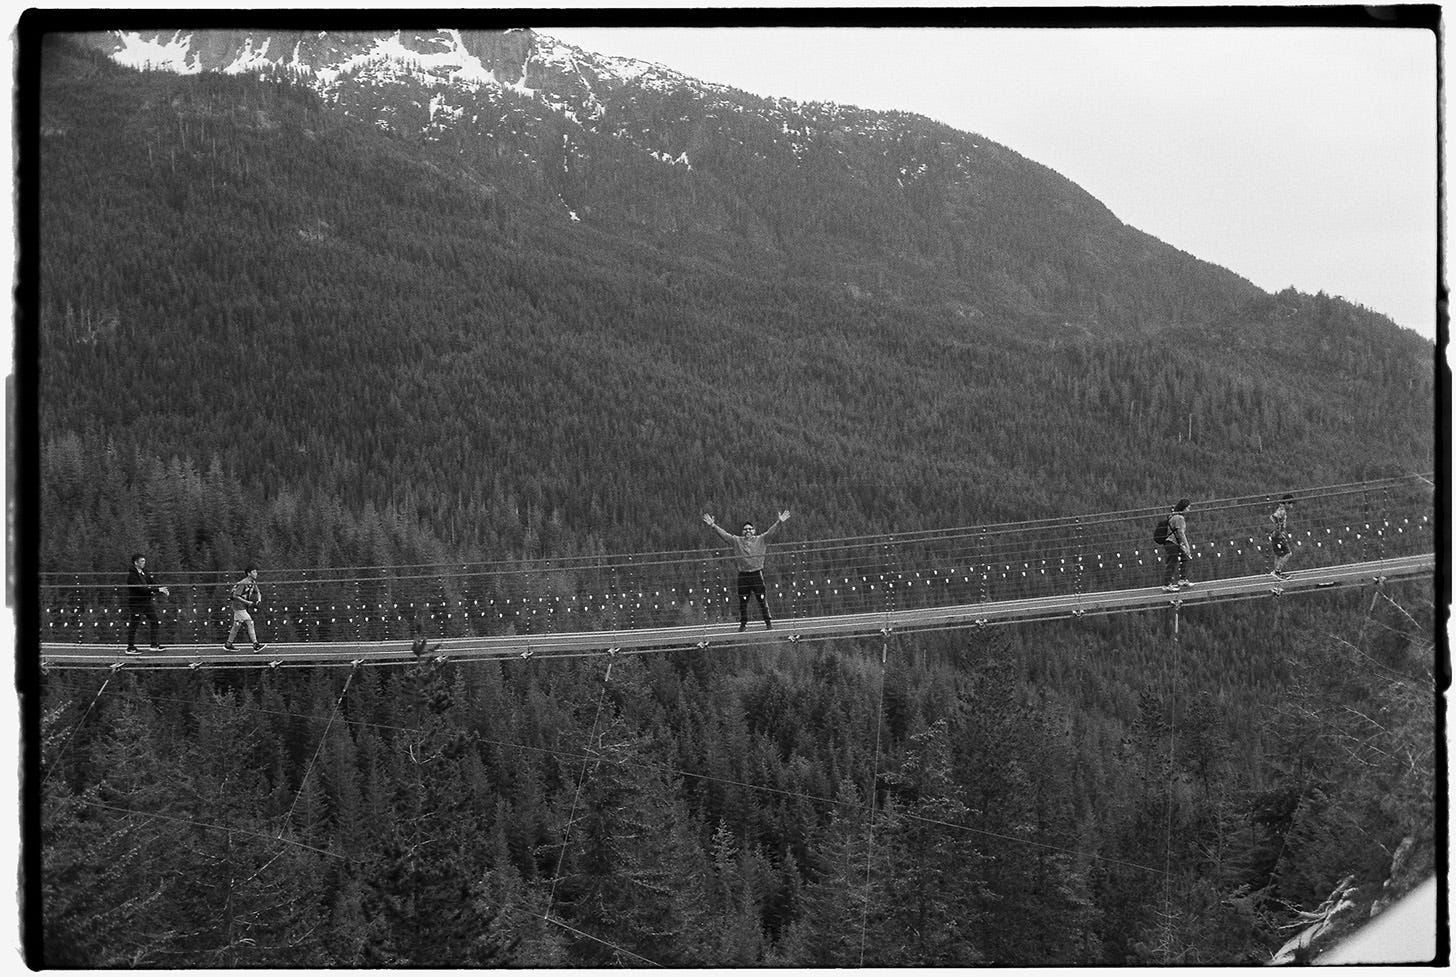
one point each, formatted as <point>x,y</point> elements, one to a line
<point>1348,535</point>
<point>1354,535</point>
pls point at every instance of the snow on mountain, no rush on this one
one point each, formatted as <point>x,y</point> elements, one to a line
<point>154,53</point>
<point>430,82</point>
<point>436,84</point>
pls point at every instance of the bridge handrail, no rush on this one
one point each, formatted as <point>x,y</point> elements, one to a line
<point>983,533</point>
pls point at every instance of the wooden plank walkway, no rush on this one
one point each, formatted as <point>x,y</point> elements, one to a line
<point>607,643</point>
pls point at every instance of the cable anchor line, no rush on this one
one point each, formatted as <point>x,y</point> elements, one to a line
<point>67,745</point>
<point>870,806</point>
<point>576,795</point>
<point>323,737</point>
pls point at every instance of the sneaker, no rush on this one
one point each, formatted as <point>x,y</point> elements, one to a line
<point>158,648</point>
<point>132,650</point>
<point>258,646</point>
<point>743,626</point>
<point>229,646</point>
<point>1172,588</point>
<point>1282,574</point>
<point>1185,583</point>
<point>768,624</point>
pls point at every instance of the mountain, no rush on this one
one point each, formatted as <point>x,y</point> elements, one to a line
<point>846,189</point>
<point>530,297</point>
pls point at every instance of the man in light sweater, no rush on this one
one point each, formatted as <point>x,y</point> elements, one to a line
<point>246,596</point>
<point>748,554</point>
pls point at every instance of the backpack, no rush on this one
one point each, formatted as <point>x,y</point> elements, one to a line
<point>1163,532</point>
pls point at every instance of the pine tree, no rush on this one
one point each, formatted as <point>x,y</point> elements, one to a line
<point>109,871</point>
<point>840,902</point>
<point>934,884</point>
<point>633,876</point>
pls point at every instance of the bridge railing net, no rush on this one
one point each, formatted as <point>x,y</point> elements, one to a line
<point>805,578</point>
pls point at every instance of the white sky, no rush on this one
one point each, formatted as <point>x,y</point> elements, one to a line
<point>1291,156</point>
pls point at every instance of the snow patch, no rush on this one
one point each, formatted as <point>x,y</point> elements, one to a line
<point>166,55</point>
<point>450,64</point>
<point>554,51</point>
<point>250,60</point>
<point>438,106</point>
<point>681,159</point>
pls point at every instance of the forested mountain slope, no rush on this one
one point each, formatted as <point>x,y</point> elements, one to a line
<point>238,276</point>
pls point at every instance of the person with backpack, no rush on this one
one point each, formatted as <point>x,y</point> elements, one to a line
<point>1172,532</point>
<point>749,551</point>
<point>245,596</point>
<point>1279,536</point>
<point>141,590</point>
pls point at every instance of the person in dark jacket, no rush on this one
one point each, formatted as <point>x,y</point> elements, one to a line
<point>141,589</point>
<point>749,551</point>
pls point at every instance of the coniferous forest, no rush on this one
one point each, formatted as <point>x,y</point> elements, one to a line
<point>269,331</point>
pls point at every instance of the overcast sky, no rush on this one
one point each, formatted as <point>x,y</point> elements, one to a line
<point>1292,156</point>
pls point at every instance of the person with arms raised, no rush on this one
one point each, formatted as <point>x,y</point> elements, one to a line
<point>749,552</point>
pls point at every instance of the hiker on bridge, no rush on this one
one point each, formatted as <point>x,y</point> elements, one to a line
<point>1175,546</point>
<point>749,551</point>
<point>141,589</point>
<point>246,595</point>
<point>1279,535</point>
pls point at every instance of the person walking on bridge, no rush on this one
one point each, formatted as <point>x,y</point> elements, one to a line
<point>749,551</point>
<point>245,596</point>
<point>141,590</point>
<point>1279,535</point>
<point>1177,549</point>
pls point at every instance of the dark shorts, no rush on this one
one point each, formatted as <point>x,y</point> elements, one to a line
<point>1280,543</point>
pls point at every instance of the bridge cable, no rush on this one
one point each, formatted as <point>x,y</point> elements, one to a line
<point>323,737</point>
<point>207,824</point>
<point>1172,774</point>
<point>870,808</point>
<point>576,797</point>
<point>67,745</point>
<point>1363,489</point>
<point>595,939</point>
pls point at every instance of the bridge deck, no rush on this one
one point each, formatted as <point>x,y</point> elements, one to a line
<point>574,644</point>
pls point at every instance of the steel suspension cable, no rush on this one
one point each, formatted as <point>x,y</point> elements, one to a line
<point>323,738</point>
<point>79,723</point>
<point>576,796</point>
<point>206,824</point>
<point>659,557</point>
<point>870,798</point>
<point>1171,677</point>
